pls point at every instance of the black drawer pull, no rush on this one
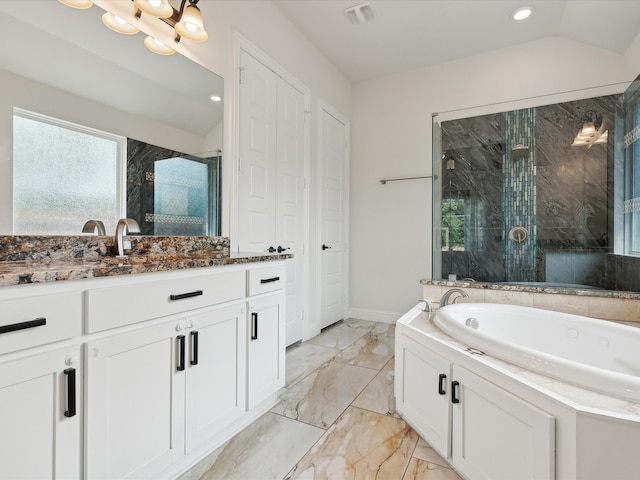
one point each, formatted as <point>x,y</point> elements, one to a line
<point>180,296</point>
<point>441,378</point>
<point>71,392</point>
<point>254,326</point>
<point>194,347</point>
<point>38,322</point>
<point>269,280</point>
<point>454,389</point>
<point>180,366</point>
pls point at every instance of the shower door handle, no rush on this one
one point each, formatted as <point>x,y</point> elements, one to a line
<point>441,379</point>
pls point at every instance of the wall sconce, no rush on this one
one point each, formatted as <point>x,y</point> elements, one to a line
<point>591,130</point>
<point>186,22</point>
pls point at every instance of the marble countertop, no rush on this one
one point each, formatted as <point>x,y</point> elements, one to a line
<point>52,270</point>
<point>534,288</point>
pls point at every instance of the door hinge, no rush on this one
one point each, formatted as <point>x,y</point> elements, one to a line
<point>239,163</point>
<point>240,70</point>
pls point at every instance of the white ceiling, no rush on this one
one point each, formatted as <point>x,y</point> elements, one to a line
<point>408,34</point>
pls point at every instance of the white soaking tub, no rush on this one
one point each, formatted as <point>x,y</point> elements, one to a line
<point>597,354</point>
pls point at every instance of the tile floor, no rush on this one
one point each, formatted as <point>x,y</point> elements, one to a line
<point>335,419</point>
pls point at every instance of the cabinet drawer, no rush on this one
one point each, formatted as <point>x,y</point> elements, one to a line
<point>31,321</point>
<point>120,305</point>
<point>266,279</point>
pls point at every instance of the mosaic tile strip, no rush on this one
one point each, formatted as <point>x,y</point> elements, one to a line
<point>519,195</point>
<point>182,219</point>
<point>631,137</point>
<point>632,205</point>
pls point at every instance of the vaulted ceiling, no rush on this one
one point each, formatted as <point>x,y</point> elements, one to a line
<point>408,34</point>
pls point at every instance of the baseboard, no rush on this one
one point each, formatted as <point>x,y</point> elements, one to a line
<point>374,315</point>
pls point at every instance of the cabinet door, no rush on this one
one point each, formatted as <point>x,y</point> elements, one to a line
<point>422,391</point>
<point>497,436</point>
<point>215,372</point>
<point>135,402</point>
<point>41,435</point>
<point>266,351</point>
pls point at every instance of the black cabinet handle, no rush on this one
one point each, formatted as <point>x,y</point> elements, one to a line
<point>71,392</point>
<point>181,340</point>
<point>180,296</point>
<point>325,247</point>
<point>282,249</point>
<point>454,386</point>
<point>38,322</point>
<point>194,347</point>
<point>441,378</point>
<point>254,326</point>
<point>269,280</point>
<point>271,249</point>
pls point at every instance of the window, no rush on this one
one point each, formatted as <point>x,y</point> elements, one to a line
<point>453,220</point>
<point>63,175</point>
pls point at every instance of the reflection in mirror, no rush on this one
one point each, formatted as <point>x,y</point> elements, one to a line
<point>527,197</point>
<point>66,65</point>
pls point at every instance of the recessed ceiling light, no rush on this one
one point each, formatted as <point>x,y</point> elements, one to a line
<point>215,98</point>
<point>522,13</point>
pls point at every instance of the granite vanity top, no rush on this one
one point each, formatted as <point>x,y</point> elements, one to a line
<point>49,259</point>
<point>534,288</point>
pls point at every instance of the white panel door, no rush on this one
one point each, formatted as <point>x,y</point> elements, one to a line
<point>215,372</point>
<point>290,199</point>
<point>497,436</point>
<point>135,397</point>
<point>333,194</point>
<point>257,150</point>
<point>40,437</point>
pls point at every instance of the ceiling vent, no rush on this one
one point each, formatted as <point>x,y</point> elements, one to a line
<point>360,13</point>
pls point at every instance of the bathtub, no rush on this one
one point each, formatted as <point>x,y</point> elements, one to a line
<point>596,354</point>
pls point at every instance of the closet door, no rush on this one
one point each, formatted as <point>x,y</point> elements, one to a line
<point>257,146</point>
<point>290,199</point>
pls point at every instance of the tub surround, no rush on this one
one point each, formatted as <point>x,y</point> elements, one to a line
<point>602,304</point>
<point>35,259</point>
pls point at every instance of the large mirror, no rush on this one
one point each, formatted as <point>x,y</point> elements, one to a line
<point>540,196</point>
<point>61,67</point>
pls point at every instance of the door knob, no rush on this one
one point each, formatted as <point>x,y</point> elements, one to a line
<point>324,247</point>
<point>282,249</point>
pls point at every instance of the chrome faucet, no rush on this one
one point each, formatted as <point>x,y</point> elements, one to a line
<point>94,226</point>
<point>444,301</point>
<point>427,305</point>
<point>125,225</point>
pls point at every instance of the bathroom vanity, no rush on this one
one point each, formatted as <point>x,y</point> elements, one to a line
<point>136,375</point>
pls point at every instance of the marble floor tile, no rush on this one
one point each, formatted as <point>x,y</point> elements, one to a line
<point>360,445</point>
<point>424,452</point>
<point>384,329</point>
<point>323,395</point>
<point>421,470</point>
<point>265,450</point>
<point>355,322</point>
<point>341,335</point>
<point>304,359</point>
<point>379,396</point>
<point>372,351</point>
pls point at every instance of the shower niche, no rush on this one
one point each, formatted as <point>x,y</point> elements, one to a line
<point>526,196</point>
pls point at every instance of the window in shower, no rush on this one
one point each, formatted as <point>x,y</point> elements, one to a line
<point>453,222</point>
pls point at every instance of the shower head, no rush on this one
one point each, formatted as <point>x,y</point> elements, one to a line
<point>519,152</point>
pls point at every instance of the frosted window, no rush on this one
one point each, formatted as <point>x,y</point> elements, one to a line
<point>62,177</point>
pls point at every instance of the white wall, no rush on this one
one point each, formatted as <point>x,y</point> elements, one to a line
<point>391,137</point>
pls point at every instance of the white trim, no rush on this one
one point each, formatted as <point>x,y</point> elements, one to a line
<point>374,315</point>
<point>335,113</point>
<point>241,43</point>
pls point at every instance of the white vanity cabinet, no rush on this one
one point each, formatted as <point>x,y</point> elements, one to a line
<point>265,334</point>
<point>41,416</point>
<point>485,432</point>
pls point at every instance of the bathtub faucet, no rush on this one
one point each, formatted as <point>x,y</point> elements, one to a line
<point>427,305</point>
<point>444,301</point>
